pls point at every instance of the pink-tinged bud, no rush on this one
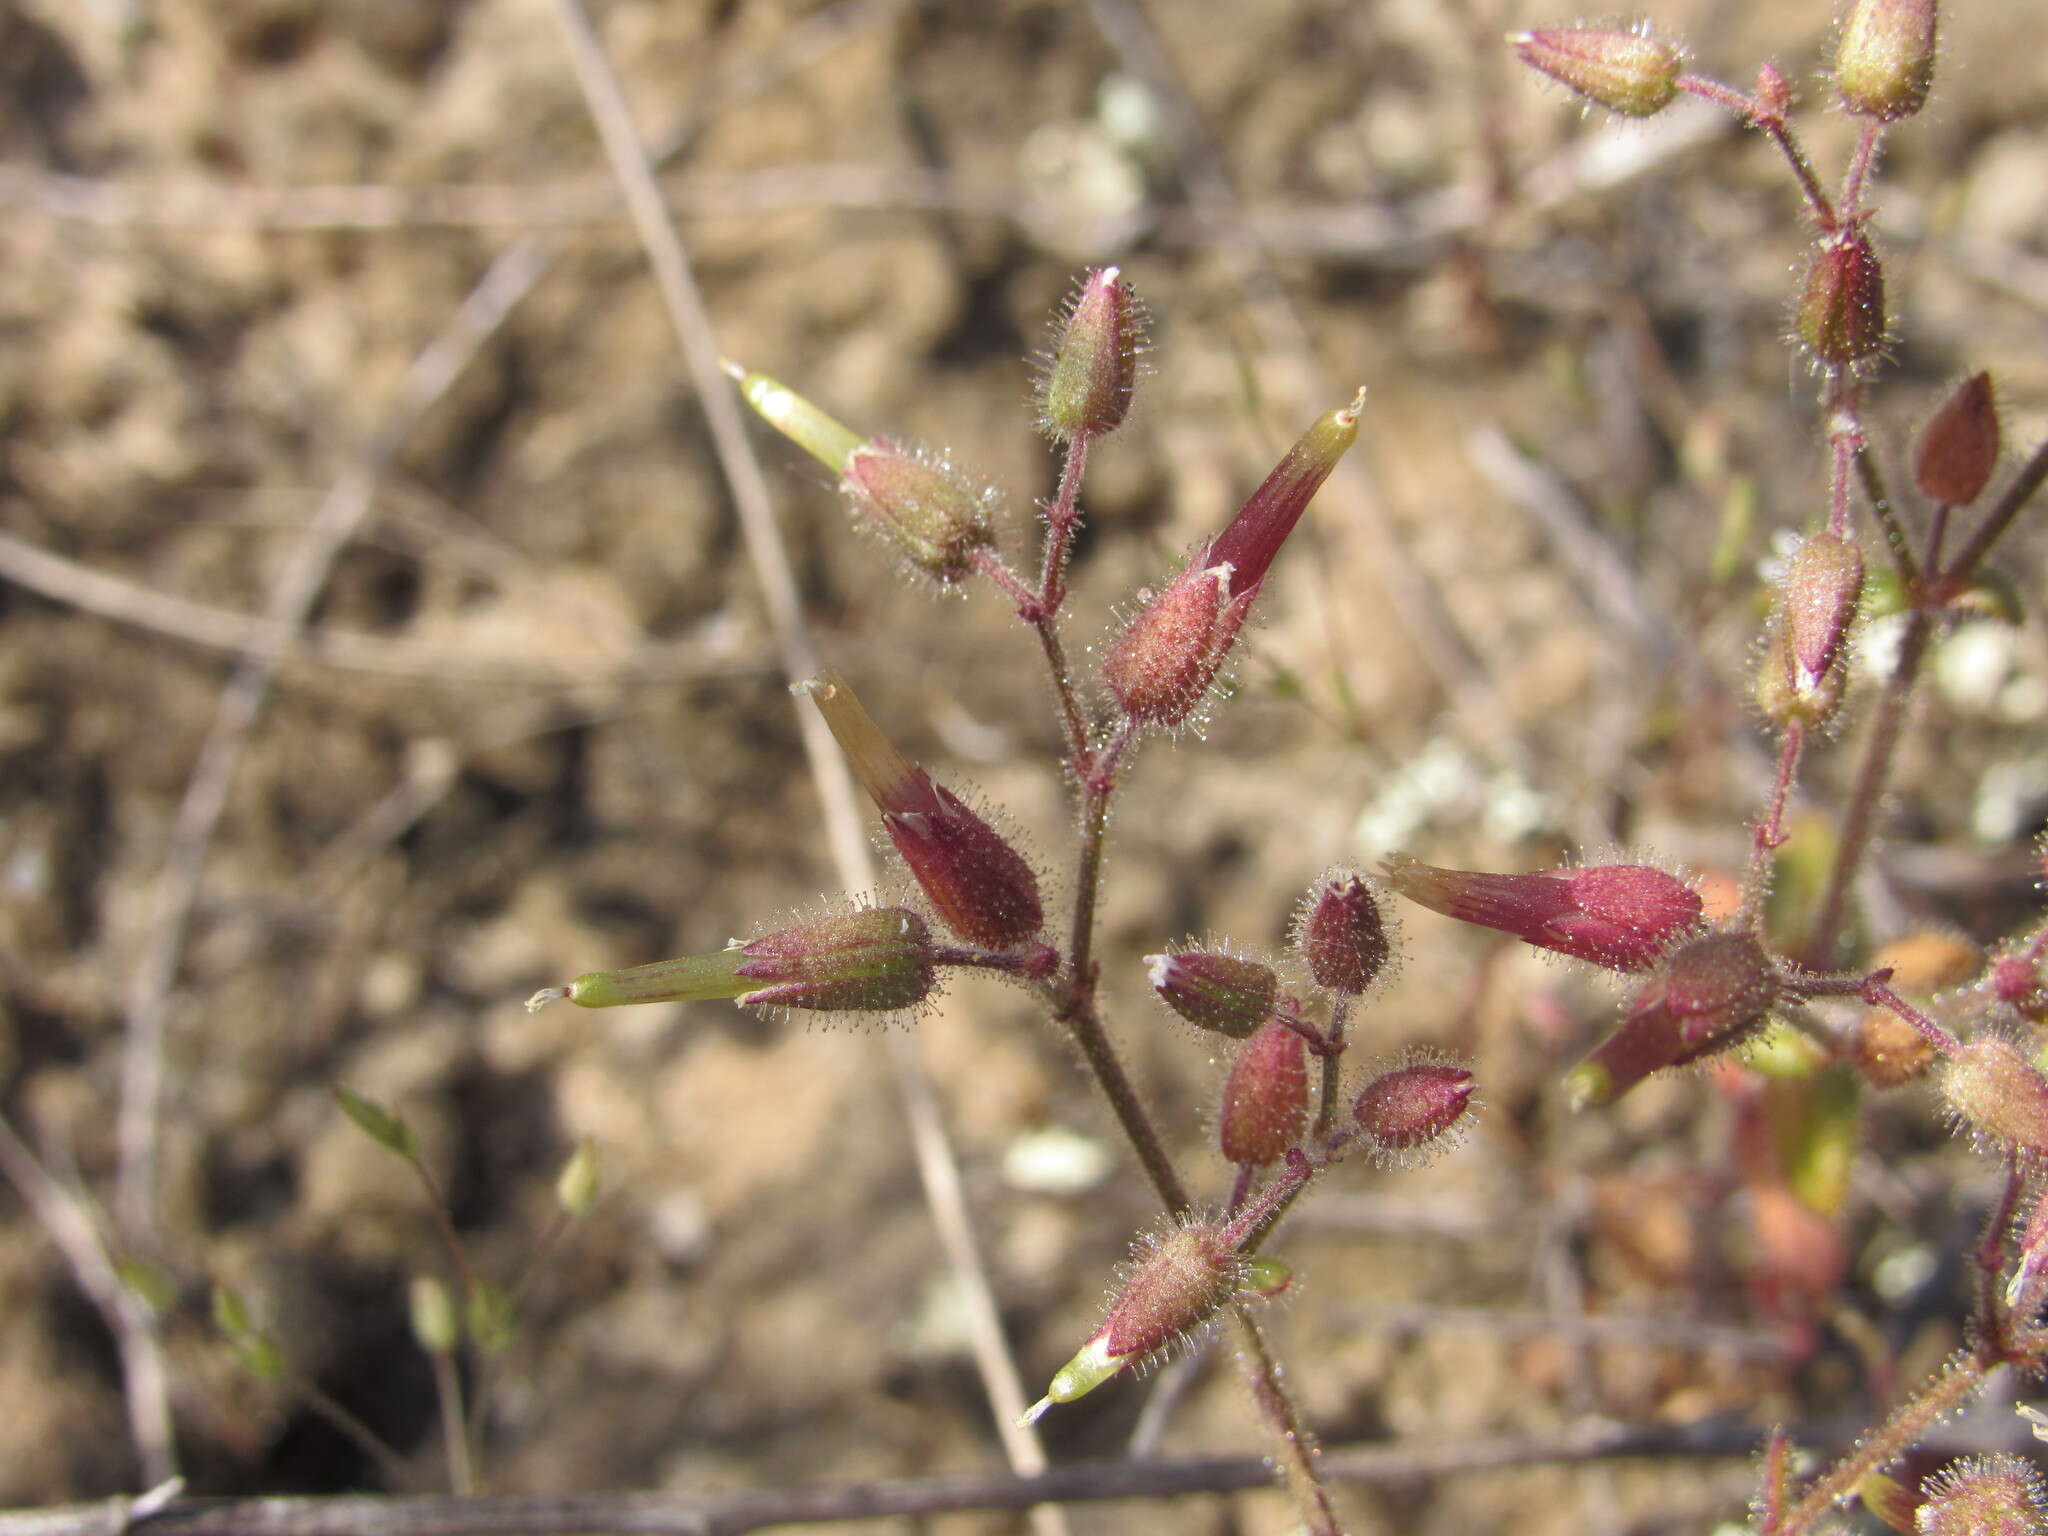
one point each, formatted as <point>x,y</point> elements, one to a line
<point>934,514</point>
<point>1626,916</point>
<point>1841,316</point>
<point>981,888</point>
<point>1160,668</point>
<point>1958,449</point>
<point>1785,692</point>
<point>1773,93</point>
<point>1265,1098</point>
<point>1342,934</point>
<point>1087,386</point>
<point>1178,1285</point>
<point>1627,72</point>
<point>1711,993</point>
<point>1885,60</point>
<point>1215,990</point>
<point>876,959</point>
<point>2017,982</point>
<point>1822,588</point>
<point>1995,1495</point>
<point>2000,1095</point>
<point>1413,1107</point>
<point>1249,542</point>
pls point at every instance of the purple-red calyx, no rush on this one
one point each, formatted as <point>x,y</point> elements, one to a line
<point>982,889</point>
<point>1625,916</point>
<point>1709,994</point>
<point>1160,668</point>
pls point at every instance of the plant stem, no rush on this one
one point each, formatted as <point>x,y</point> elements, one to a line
<point>1298,1449</point>
<point>454,1426</point>
<point>1879,497</point>
<point>2000,517</point>
<point>1769,833</point>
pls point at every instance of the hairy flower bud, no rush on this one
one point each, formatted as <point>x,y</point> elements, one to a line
<point>1265,1098</point>
<point>1342,934</point>
<point>935,515</point>
<point>1087,387</point>
<point>872,960</point>
<point>2016,981</point>
<point>1625,916</point>
<point>1995,1495</point>
<point>1884,62</point>
<point>1404,1110</point>
<point>1889,1052</point>
<point>1785,692</point>
<point>1215,990</point>
<point>1632,73</point>
<point>1160,668</point>
<point>1179,1283</point>
<point>1822,587</point>
<point>981,887</point>
<point>1841,317</point>
<point>1772,94</point>
<point>1958,448</point>
<point>2000,1095</point>
<point>1711,993</point>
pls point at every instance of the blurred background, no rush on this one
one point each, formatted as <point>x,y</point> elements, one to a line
<point>331,310</point>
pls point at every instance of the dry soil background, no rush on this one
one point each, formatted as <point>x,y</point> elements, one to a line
<point>535,726</point>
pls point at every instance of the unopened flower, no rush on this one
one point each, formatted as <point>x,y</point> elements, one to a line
<point>1159,669</point>
<point>1841,316</point>
<point>1094,365</point>
<point>934,514</point>
<point>1884,61</point>
<point>1629,72</point>
<point>1823,584</point>
<point>2000,1095</point>
<point>1412,1108</point>
<point>1214,989</point>
<point>982,888</point>
<point>1265,1098</point>
<point>1343,935</point>
<point>1709,994</point>
<point>1621,915</point>
<point>1995,1495</point>
<point>1179,1283</point>
<point>1958,448</point>
<point>870,960</point>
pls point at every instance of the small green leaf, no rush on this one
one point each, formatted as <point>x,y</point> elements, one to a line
<point>383,1126</point>
<point>433,1316</point>
<point>576,1188</point>
<point>151,1284</point>
<point>230,1314</point>
<point>490,1316</point>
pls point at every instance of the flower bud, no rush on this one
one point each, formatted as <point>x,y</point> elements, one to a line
<point>1711,993</point>
<point>1265,1098</point>
<point>2016,981</point>
<point>1342,934</point>
<point>1179,1283</point>
<point>1412,1107</point>
<point>1087,387</point>
<point>435,1326</point>
<point>1884,62</point>
<point>1995,1495</point>
<point>1627,72</point>
<point>1773,93</point>
<point>1213,989</point>
<point>982,888</point>
<point>1785,692</point>
<point>1889,1052</point>
<point>875,959</point>
<point>1251,539</point>
<point>1958,448</point>
<point>1822,587</point>
<point>933,513</point>
<point>1621,915</point>
<point>1841,304</point>
<point>1998,1094</point>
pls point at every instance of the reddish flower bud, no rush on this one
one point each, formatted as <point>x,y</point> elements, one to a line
<point>1959,447</point>
<point>1213,989</point>
<point>1998,1094</point>
<point>1621,915</point>
<point>982,888</point>
<point>2017,982</point>
<point>1785,692</point>
<point>1627,72</point>
<point>1160,668</point>
<point>1773,93</point>
<point>933,513</point>
<point>1342,934</point>
<point>1087,386</point>
<point>1841,304</point>
<point>875,959</point>
<point>1711,993</point>
<point>1412,1107</point>
<point>1884,62</point>
<point>1265,1098</point>
<point>1179,1283</point>
<point>1995,1495</point>
<point>1822,587</point>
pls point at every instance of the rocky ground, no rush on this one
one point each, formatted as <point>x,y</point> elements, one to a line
<point>536,724</point>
